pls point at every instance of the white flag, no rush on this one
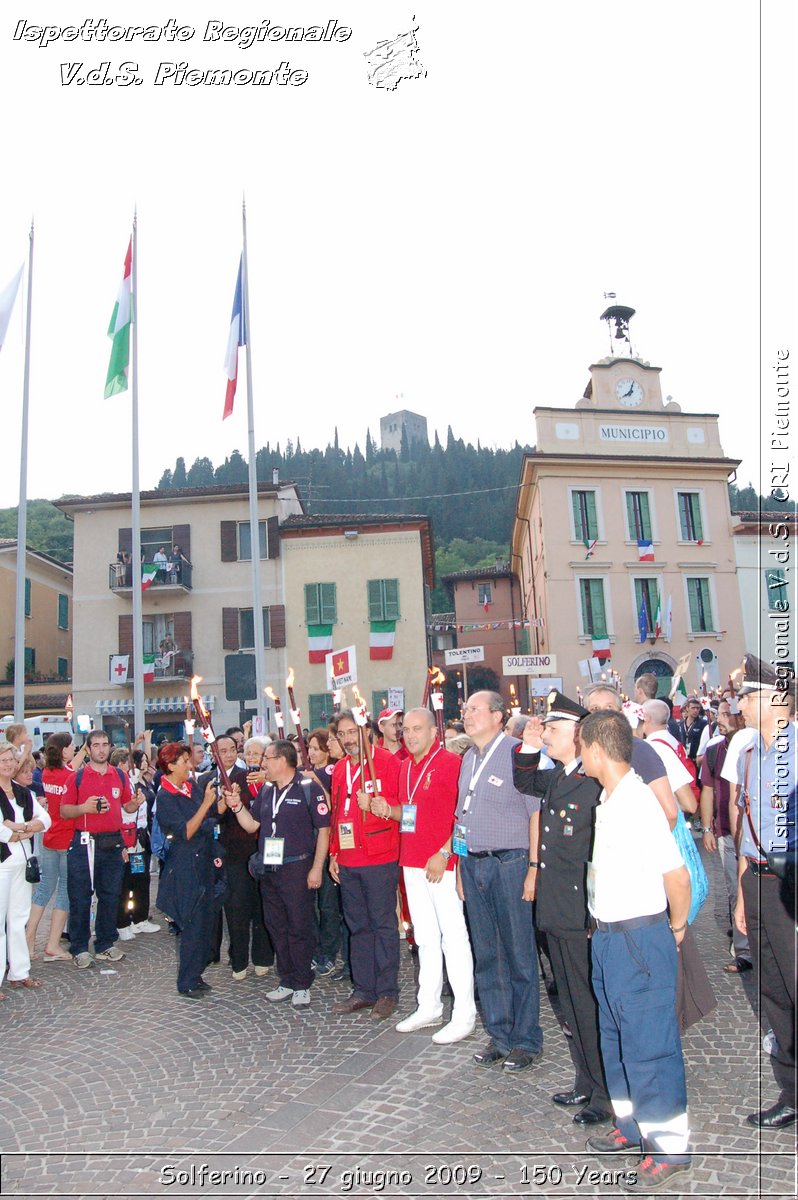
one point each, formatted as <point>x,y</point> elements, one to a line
<point>117,672</point>
<point>7,298</point>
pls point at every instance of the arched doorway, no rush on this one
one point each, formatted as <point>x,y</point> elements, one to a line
<point>660,666</point>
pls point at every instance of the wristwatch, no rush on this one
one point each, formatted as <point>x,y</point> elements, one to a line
<point>706,829</point>
<point>445,855</point>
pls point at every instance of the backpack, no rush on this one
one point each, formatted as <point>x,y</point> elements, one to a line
<point>79,779</point>
<point>687,762</point>
<point>160,845</point>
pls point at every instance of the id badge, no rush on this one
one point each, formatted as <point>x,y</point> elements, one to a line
<point>346,835</point>
<point>136,862</point>
<point>85,837</point>
<point>408,822</point>
<point>273,851</point>
<point>459,846</point>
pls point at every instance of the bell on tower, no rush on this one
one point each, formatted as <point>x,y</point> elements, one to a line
<point>618,317</point>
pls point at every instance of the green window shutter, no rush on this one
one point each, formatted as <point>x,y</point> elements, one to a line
<point>645,516</point>
<point>378,702</point>
<point>30,658</point>
<point>320,709</point>
<point>246,628</point>
<point>312,615</point>
<point>698,529</point>
<point>267,631</point>
<point>262,539</point>
<point>776,593</point>
<point>592,520</point>
<point>638,515</point>
<point>63,611</point>
<point>597,600</point>
<point>631,520</point>
<point>375,600</point>
<point>327,605</point>
<point>578,530</point>
<point>709,623</point>
<point>27,597</point>
<point>391,599</point>
<point>63,668</point>
<point>699,604</point>
<point>639,584</point>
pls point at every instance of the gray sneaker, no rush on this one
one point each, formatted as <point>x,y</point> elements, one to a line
<point>301,998</point>
<point>83,960</point>
<point>279,993</point>
<point>109,955</point>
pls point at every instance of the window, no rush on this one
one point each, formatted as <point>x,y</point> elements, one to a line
<point>585,519</point>
<point>153,540</point>
<point>246,628</point>
<point>27,597</point>
<point>638,516</point>
<point>63,668</point>
<point>30,659</point>
<point>383,597</point>
<point>691,528</point>
<point>63,611</point>
<point>320,709</point>
<point>485,594</point>
<point>699,605</point>
<point>594,619</point>
<point>776,590</point>
<point>647,596</point>
<point>320,604</point>
<point>245,541</point>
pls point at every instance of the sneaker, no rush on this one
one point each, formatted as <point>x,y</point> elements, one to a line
<point>301,998</point>
<point>613,1142</point>
<point>239,975</point>
<point>652,1175</point>
<point>323,967</point>
<point>418,1020</point>
<point>279,993</point>
<point>260,970</point>
<point>83,960</point>
<point>109,955</point>
<point>455,1031</point>
<point>126,935</point>
<point>339,975</point>
<point>146,927</point>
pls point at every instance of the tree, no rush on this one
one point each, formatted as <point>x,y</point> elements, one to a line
<point>179,476</point>
<point>200,473</point>
<point>165,482</point>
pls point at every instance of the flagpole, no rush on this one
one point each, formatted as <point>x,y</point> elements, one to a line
<point>138,636</point>
<point>22,513</point>
<point>254,529</point>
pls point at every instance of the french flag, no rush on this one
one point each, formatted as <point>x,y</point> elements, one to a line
<point>236,338</point>
<point>645,549</point>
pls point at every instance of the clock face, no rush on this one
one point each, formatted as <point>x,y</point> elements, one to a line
<point>629,392</point>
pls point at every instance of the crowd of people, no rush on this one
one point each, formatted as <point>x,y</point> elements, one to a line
<point>564,837</point>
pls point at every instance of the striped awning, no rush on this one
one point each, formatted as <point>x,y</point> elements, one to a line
<point>152,704</point>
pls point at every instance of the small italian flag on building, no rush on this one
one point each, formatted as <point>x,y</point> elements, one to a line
<point>119,331</point>
<point>320,642</point>
<point>381,639</point>
<point>601,648</point>
<point>149,668</point>
<point>148,573</point>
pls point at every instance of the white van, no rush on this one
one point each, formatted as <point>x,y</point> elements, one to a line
<point>40,728</point>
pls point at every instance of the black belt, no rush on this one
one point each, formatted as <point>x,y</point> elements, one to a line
<point>759,867</point>
<point>291,858</point>
<point>489,853</point>
<point>632,923</point>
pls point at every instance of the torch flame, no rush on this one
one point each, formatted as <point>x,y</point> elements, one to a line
<point>704,677</point>
<point>438,676</point>
<point>270,693</point>
<point>734,674</point>
<point>289,683</point>
<point>195,679</point>
<point>357,695</point>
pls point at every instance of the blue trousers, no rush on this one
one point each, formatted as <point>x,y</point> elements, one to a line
<point>368,896</point>
<point>502,932</point>
<point>109,868</point>
<point>194,945</point>
<point>634,980</point>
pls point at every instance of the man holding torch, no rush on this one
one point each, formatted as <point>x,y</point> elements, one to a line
<point>364,861</point>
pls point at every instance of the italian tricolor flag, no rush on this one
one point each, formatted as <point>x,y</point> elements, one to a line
<point>381,639</point>
<point>320,642</point>
<point>148,573</point>
<point>149,668</point>
<point>119,331</point>
<point>601,648</point>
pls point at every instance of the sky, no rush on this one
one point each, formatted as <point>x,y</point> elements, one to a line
<point>443,247</point>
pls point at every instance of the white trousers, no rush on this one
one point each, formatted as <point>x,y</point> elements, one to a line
<point>439,930</point>
<point>15,898</point>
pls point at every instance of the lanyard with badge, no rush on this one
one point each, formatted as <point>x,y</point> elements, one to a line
<point>274,847</point>
<point>408,821</point>
<point>459,836</point>
<point>346,829</point>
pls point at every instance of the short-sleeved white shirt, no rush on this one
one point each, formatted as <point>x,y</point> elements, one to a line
<point>633,848</point>
<point>665,745</point>
<point>740,741</point>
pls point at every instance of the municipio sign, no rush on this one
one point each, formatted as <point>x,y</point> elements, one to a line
<point>529,664</point>
<point>468,654</point>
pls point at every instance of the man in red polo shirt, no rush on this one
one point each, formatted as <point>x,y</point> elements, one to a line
<point>425,813</point>
<point>364,861</point>
<point>94,860</point>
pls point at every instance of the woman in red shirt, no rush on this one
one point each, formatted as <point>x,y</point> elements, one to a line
<point>58,754</point>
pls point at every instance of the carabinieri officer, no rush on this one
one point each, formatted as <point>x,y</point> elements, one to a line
<point>293,819</point>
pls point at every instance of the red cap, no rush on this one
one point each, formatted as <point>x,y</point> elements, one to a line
<point>387,713</point>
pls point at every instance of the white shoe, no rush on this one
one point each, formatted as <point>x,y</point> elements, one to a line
<point>126,935</point>
<point>260,971</point>
<point>418,1020</point>
<point>279,993</point>
<point>301,998</point>
<point>455,1031</point>
<point>239,975</point>
<point>146,927</point>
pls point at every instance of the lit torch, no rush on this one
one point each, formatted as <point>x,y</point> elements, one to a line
<point>296,717</point>
<point>431,674</point>
<point>515,708</point>
<point>704,684</point>
<point>209,737</point>
<point>437,680</point>
<point>361,719</point>
<point>279,719</point>
<point>734,707</point>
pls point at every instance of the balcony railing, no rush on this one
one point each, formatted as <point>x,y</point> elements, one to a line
<point>174,574</point>
<point>177,664</point>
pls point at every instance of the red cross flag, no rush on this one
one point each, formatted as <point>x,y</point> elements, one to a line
<point>119,667</point>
